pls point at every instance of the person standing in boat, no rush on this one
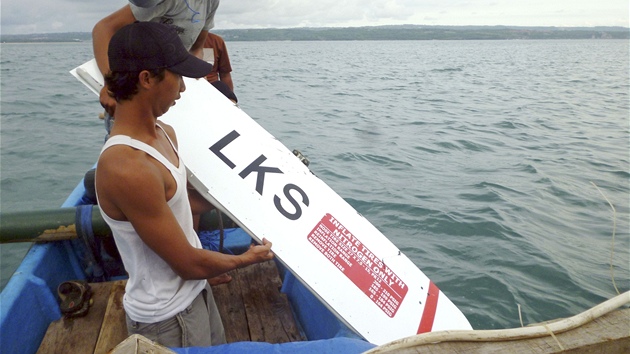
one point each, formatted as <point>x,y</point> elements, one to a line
<point>141,188</point>
<point>191,18</point>
<point>215,51</point>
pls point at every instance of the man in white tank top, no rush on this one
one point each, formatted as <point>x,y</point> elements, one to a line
<point>142,192</point>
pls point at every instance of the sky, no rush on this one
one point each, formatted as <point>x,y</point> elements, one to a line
<point>49,16</point>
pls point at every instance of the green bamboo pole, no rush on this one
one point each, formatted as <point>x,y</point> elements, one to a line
<point>46,225</point>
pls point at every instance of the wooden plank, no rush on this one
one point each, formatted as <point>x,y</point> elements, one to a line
<point>230,304</point>
<point>282,311</point>
<point>114,328</point>
<point>280,306</point>
<point>252,307</point>
<point>262,328</point>
<point>78,335</point>
<point>266,307</point>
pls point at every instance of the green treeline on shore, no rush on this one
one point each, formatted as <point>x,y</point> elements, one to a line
<point>398,32</point>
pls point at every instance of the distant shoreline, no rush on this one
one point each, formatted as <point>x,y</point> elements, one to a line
<point>398,32</point>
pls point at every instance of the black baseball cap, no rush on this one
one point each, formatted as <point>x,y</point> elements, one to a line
<point>151,45</point>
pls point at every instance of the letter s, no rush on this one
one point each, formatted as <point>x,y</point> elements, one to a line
<point>298,209</point>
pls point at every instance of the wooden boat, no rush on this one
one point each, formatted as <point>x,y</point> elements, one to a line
<point>264,309</point>
<point>31,320</point>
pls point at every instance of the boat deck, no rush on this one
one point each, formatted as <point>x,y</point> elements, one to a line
<point>251,306</point>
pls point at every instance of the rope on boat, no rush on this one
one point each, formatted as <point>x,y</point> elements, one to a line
<point>91,249</point>
<point>612,245</point>
<point>221,230</point>
<point>554,337</point>
<point>529,332</point>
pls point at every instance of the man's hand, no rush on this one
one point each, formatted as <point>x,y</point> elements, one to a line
<point>107,101</point>
<point>259,253</point>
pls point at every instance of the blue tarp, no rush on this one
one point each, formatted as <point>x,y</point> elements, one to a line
<point>339,345</point>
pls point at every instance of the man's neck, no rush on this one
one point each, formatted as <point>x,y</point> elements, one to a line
<point>135,120</point>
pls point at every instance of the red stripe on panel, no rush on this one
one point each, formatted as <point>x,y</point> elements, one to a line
<point>430,307</point>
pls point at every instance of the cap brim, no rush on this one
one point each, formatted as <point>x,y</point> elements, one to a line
<point>192,67</point>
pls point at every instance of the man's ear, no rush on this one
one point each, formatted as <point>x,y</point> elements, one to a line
<point>144,78</point>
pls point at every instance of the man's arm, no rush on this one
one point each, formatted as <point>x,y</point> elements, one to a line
<point>104,30</point>
<point>197,48</point>
<point>141,200</point>
<point>101,35</point>
<point>198,204</point>
<point>227,78</point>
<point>225,67</point>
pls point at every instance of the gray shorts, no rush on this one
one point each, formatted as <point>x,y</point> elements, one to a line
<point>199,325</point>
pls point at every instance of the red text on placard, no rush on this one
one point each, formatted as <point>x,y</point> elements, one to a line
<point>359,264</point>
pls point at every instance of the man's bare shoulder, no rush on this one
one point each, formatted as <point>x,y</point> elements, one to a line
<point>128,183</point>
<point>169,131</point>
<point>124,163</point>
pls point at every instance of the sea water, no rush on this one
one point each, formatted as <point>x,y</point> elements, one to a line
<point>491,164</point>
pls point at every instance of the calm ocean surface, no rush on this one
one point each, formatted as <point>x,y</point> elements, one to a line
<point>474,157</point>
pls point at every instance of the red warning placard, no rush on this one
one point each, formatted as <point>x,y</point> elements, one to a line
<point>359,264</point>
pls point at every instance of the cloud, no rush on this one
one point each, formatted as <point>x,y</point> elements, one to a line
<point>34,16</point>
<point>30,16</point>
<point>270,13</point>
<point>335,13</point>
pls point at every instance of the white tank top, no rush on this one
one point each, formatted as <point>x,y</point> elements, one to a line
<point>154,292</point>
